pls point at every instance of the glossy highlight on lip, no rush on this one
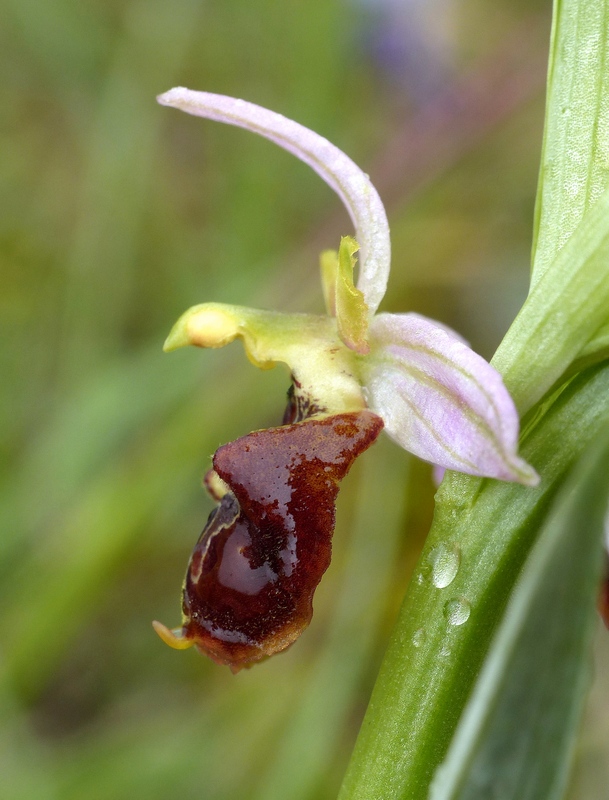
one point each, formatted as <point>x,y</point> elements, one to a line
<point>250,582</point>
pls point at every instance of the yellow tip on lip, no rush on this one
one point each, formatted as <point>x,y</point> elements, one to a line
<point>205,325</point>
<point>178,337</point>
<point>174,638</point>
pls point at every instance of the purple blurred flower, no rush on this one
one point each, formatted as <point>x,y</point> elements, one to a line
<point>437,398</point>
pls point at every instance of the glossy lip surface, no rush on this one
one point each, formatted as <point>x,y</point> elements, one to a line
<point>251,578</point>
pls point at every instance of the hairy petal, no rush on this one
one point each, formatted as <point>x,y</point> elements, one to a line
<point>338,171</point>
<point>440,400</point>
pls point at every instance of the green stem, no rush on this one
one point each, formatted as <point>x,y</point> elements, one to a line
<point>431,664</point>
<point>483,530</point>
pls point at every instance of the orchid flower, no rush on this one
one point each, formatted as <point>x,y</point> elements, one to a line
<point>354,372</point>
<point>437,398</point>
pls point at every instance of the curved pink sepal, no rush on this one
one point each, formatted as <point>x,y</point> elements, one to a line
<point>351,184</point>
<point>440,400</point>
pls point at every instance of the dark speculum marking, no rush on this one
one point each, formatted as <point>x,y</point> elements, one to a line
<point>300,405</point>
<point>249,586</point>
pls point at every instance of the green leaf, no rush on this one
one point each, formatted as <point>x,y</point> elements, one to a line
<point>568,306</point>
<point>485,529</point>
<point>564,310</point>
<point>515,738</point>
<point>574,169</point>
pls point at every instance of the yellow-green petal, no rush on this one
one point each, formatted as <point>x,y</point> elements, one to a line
<point>352,313</point>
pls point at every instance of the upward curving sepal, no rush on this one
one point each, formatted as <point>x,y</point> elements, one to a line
<point>344,176</point>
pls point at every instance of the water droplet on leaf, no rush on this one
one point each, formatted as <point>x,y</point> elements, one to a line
<point>445,560</point>
<point>457,610</point>
<point>419,637</point>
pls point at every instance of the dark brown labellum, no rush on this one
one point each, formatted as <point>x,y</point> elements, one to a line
<point>250,581</point>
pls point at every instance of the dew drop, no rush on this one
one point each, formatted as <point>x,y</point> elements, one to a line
<point>419,637</point>
<point>457,610</point>
<point>445,560</point>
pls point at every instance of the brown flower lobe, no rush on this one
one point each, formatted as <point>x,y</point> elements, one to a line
<point>250,582</point>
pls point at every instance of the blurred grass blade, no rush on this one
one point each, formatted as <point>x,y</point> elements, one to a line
<point>574,167</point>
<point>515,738</point>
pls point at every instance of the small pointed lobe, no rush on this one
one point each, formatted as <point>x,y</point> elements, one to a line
<point>174,638</point>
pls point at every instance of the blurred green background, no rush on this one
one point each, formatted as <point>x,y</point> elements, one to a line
<point>116,216</point>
